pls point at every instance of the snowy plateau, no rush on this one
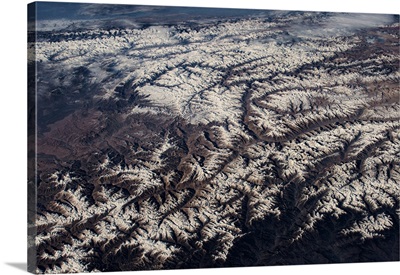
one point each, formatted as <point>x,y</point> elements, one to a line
<point>212,141</point>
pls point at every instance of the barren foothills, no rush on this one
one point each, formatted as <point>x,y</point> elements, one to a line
<point>241,141</point>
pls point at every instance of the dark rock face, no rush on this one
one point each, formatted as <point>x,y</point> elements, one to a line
<point>231,142</point>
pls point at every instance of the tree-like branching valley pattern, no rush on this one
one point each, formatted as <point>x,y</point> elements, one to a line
<point>244,141</point>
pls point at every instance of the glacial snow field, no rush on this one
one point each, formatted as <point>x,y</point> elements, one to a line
<point>188,139</point>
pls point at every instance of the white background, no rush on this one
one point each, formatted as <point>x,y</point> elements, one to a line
<point>13,129</point>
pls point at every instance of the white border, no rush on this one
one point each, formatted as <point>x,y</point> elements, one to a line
<point>13,128</point>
